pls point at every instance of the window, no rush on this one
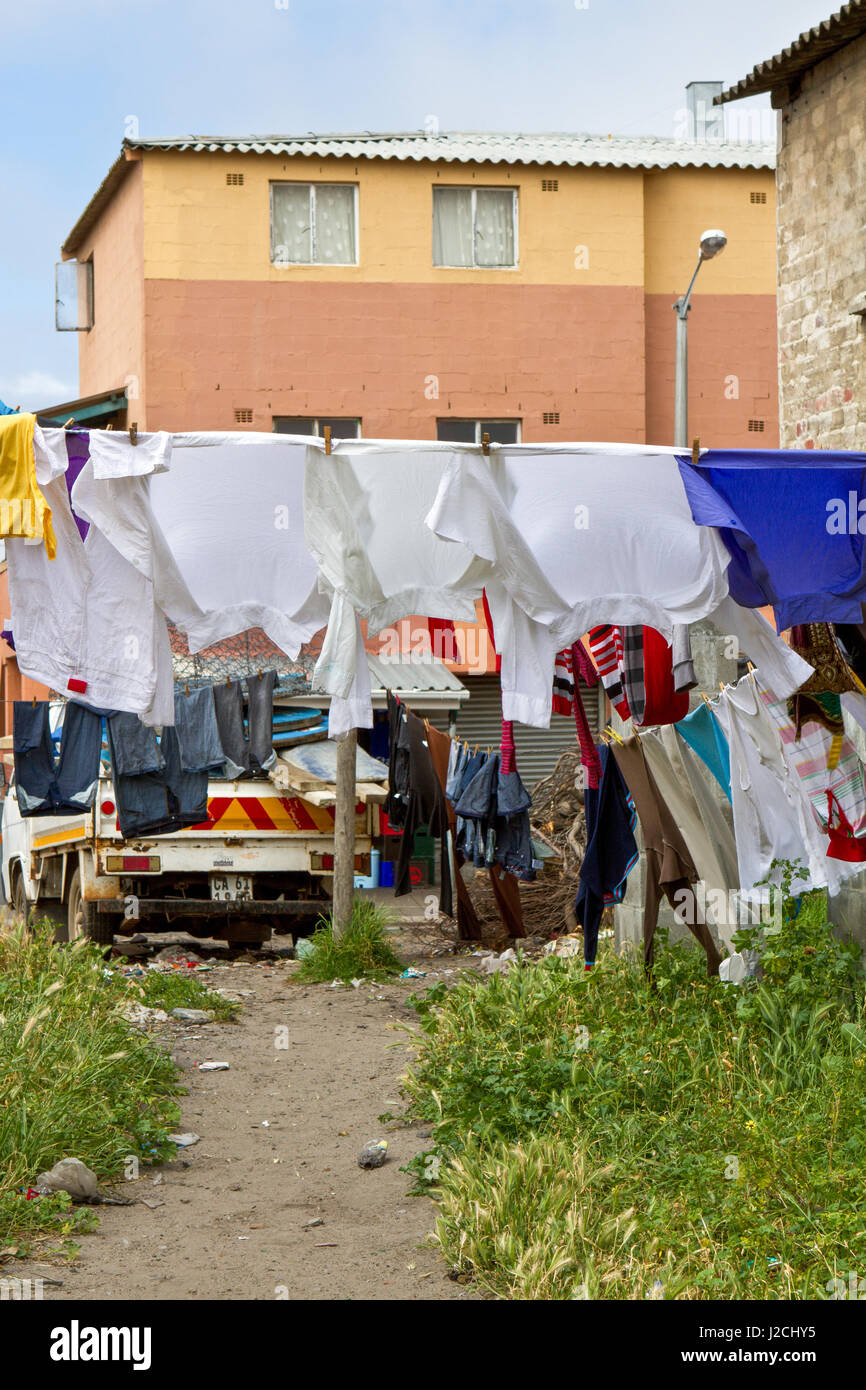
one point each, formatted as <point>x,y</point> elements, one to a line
<point>315,425</point>
<point>473,431</point>
<point>314,224</point>
<point>73,296</point>
<point>475,227</point>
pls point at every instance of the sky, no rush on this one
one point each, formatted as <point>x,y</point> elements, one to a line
<point>74,73</point>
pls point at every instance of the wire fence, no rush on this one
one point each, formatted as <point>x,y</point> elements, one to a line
<point>235,657</point>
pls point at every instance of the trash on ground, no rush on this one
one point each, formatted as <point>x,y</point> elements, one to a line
<point>141,1015</point>
<point>410,973</point>
<point>192,1015</point>
<point>183,1141</point>
<point>72,1176</point>
<point>373,1155</point>
<point>213,1066</point>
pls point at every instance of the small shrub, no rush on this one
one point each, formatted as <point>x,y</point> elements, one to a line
<point>362,952</point>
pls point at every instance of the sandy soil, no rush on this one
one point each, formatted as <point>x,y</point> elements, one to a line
<point>280,1135</point>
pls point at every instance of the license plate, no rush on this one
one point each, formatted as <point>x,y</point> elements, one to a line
<point>230,888</point>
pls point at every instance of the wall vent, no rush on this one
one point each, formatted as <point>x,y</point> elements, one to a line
<point>551,417</point>
<point>234,180</point>
<point>244,416</point>
<point>550,185</point>
<point>757,196</point>
<point>756,426</point>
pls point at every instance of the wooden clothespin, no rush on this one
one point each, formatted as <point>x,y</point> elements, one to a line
<point>109,427</point>
<point>229,681</point>
<point>187,691</point>
<point>696,451</point>
<point>485,444</point>
<point>260,673</point>
<point>327,433</point>
<point>750,668</point>
<point>706,701</point>
<point>70,421</point>
<point>34,702</point>
<point>722,686</point>
<point>133,432</point>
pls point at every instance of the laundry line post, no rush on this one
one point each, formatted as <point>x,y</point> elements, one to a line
<point>344,833</point>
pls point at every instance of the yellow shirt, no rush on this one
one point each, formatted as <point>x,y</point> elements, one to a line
<point>24,513</point>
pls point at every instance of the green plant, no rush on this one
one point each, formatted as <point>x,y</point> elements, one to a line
<point>76,1080</point>
<point>604,1136</point>
<point>801,959</point>
<point>180,990</point>
<point>362,951</point>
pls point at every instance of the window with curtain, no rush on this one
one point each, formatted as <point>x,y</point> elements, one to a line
<point>475,227</point>
<point>313,224</point>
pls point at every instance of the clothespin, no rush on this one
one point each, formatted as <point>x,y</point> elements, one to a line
<point>133,432</point>
<point>260,673</point>
<point>696,451</point>
<point>751,668</point>
<point>187,691</point>
<point>327,433</point>
<point>34,702</point>
<point>70,421</point>
<point>722,686</point>
<point>485,444</point>
<point>109,427</point>
<point>706,701</point>
<point>229,682</point>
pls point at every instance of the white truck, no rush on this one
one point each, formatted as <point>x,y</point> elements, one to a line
<point>262,861</point>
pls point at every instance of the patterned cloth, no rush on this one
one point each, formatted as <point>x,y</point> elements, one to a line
<point>606,646</point>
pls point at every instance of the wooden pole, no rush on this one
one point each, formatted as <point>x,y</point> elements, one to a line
<point>344,833</point>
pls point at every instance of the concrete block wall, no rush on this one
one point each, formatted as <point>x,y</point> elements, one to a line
<point>822,256</point>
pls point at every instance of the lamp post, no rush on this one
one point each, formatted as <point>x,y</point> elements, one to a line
<point>712,243</point>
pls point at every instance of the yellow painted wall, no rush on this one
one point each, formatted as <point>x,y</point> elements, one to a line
<point>198,228</point>
<point>638,226</point>
<point>680,204</point>
<point>111,355</point>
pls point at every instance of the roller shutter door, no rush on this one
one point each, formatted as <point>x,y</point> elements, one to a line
<point>480,721</point>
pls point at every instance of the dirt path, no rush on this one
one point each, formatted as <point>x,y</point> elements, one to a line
<point>280,1134</point>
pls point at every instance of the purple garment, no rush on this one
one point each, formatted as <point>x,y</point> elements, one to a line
<point>77,453</point>
<point>6,634</point>
<point>791,520</point>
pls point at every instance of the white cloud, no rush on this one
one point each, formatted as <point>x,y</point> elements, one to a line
<point>35,390</point>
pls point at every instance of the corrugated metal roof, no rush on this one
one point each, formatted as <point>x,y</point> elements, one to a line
<point>499,147</point>
<point>810,48</point>
<point>411,673</point>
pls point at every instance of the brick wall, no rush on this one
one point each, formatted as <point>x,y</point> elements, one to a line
<point>822,256</point>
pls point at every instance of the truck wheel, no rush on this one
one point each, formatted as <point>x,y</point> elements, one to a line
<point>83,919</point>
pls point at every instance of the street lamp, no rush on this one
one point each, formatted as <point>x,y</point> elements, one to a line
<point>712,242</point>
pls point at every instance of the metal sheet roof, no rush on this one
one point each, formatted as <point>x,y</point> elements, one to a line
<point>810,48</point>
<point>500,147</point>
<point>410,674</point>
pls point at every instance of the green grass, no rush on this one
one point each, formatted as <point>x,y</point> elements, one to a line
<point>362,952</point>
<point>597,1136</point>
<point>75,1079</point>
<point>180,990</point>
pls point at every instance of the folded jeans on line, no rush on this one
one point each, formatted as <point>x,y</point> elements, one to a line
<point>67,786</point>
<point>197,730</point>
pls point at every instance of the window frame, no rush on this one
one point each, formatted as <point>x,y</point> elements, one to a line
<point>311,186</point>
<point>474,189</point>
<point>515,420</point>
<point>319,421</point>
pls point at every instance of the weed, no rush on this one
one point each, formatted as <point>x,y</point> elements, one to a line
<point>363,951</point>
